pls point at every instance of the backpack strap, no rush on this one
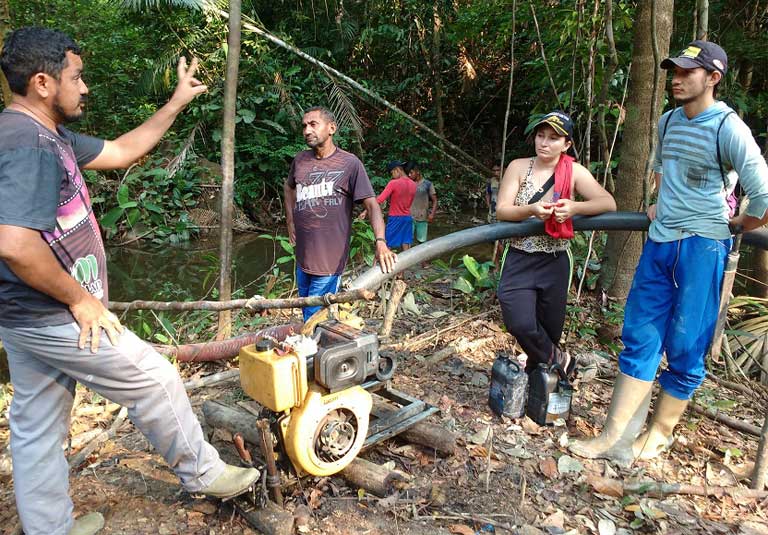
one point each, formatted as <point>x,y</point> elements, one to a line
<point>666,124</point>
<point>717,144</point>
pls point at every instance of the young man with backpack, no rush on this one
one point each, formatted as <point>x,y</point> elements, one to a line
<point>673,304</point>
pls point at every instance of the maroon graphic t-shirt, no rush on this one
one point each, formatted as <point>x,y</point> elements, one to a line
<point>325,192</point>
<point>42,188</point>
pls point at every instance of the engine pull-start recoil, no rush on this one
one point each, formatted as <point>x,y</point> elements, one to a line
<point>327,432</point>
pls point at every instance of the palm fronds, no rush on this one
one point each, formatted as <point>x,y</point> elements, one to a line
<point>343,108</point>
<point>748,338</point>
<point>142,5</point>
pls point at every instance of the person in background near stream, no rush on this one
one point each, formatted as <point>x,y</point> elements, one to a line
<point>322,186</point>
<point>673,304</point>
<point>420,211</point>
<point>400,192</point>
<point>54,291</point>
<point>492,193</point>
<point>535,271</point>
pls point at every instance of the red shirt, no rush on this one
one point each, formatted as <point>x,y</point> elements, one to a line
<point>400,192</point>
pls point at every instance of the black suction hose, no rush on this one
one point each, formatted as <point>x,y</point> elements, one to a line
<point>373,278</point>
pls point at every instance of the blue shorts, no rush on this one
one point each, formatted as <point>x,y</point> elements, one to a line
<point>399,230</point>
<point>310,285</point>
<point>672,308</point>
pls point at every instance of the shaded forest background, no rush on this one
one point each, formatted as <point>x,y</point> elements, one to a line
<point>448,64</point>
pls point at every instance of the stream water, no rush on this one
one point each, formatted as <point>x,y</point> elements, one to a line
<point>188,271</point>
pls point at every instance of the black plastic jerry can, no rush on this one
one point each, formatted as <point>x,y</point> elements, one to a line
<point>509,387</point>
<point>549,396</point>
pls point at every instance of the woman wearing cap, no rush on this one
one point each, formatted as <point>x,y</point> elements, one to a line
<point>535,275</point>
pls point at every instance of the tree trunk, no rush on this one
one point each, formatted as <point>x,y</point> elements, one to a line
<point>5,27</point>
<point>702,16</point>
<point>759,263</point>
<point>228,167</point>
<point>603,102</point>
<point>437,60</point>
<point>622,250</point>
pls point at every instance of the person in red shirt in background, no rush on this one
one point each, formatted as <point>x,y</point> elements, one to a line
<point>400,192</point>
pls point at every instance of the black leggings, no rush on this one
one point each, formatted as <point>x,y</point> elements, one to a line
<point>533,292</point>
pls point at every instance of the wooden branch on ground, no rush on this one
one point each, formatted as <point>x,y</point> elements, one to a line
<point>216,378</point>
<point>233,420</point>
<point>395,295</point>
<point>374,478</point>
<point>255,303</point>
<point>619,488</point>
<point>97,442</point>
<point>733,423</point>
<point>760,473</point>
<point>423,433</point>
<point>269,520</point>
<point>750,390</point>
<point>654,488</point>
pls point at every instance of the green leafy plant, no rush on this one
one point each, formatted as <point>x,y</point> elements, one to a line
<point>153,202</point>
<point>477,279</point>
<point>362,242</point>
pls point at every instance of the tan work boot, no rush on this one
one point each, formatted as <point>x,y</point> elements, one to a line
<point>658,437</point>
<point>232,482</point>
<point>626,416</point>
<point>89,524</point>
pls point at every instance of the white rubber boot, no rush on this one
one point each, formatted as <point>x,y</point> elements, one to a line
<point>626,416</point>
<point>89,524</point>
<point>232,482</point>
<point>658,437</point>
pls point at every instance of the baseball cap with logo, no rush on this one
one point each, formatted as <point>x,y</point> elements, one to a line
<point>699,54</point>
<point>559,121</point>
<point>394,164</point>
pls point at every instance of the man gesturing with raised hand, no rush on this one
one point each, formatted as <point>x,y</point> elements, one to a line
<point>54,289</point>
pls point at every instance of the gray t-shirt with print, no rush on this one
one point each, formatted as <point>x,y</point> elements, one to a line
<point>42,188</point>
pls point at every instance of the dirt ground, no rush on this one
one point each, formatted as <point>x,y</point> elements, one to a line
<point>507,476</point>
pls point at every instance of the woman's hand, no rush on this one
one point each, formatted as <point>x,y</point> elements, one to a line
<point>542,210</point>
<point>564,209</point>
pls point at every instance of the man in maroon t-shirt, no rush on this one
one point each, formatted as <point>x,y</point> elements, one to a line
<point>322,186</point>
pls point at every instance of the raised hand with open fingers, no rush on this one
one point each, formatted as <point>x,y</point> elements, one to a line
<point>188,87</point>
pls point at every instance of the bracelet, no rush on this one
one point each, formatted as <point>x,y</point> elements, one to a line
<point>381,239</point>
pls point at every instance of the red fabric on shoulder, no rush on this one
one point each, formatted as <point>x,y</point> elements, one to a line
<point>563,179</point>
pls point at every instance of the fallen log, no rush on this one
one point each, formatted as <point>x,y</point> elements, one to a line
<point>233,420</point>
<point>269,520</point>
<point>619,488</point>
<point>395,295</point>
<point>374,478</point>
<point>423,433</point>
<point>213,379</point>
<point>254,303</point>
<point>760,473</point>
<point>751,389</point>
<point>733,423</point>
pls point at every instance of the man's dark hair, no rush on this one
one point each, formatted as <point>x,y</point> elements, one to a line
<point>28,51</point>
<point>325,112</point>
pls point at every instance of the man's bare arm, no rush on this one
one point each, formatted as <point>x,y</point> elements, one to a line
<point>289,198</point>
<point>32,260</point>
<point>384,255</point>
<point>131,146</point>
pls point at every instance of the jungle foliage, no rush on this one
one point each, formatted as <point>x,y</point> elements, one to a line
<point>445,63</point>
